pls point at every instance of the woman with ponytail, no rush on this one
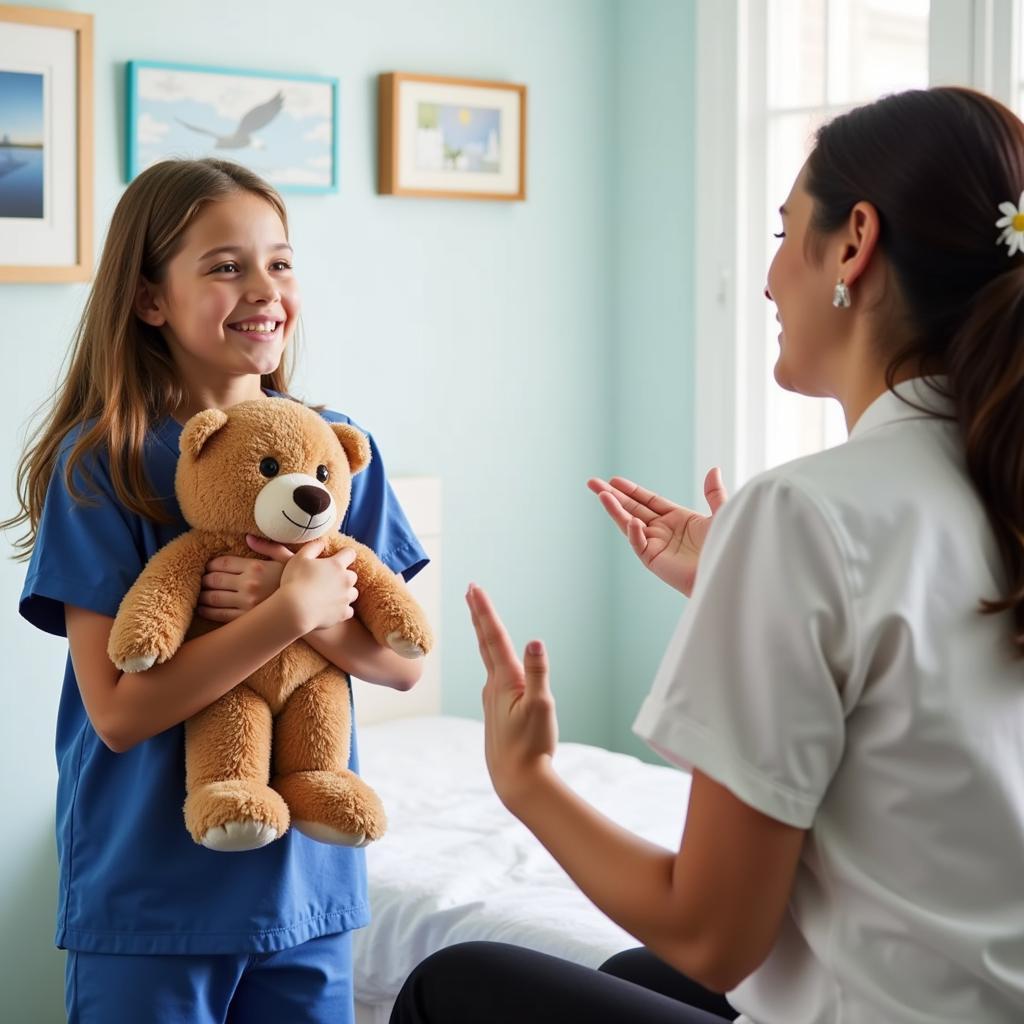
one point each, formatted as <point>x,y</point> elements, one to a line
<point>847,680</point>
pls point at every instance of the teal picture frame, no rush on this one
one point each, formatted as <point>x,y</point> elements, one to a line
<point>283,126</point>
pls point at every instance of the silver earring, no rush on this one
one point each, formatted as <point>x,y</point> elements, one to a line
<point>841,295</point>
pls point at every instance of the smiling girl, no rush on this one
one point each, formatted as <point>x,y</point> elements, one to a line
<point>194,306</point>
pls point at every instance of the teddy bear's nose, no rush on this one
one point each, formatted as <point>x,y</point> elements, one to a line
<point>312,500</point>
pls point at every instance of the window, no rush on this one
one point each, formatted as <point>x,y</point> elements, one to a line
<point>770,72</point>
<point>823,57</point>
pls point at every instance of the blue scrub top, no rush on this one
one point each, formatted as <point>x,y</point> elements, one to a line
<point>131,878</point>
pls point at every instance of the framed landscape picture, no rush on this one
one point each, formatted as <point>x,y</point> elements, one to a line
<point>45,145</point>
<point>451,137</point>
<point>282,126</point>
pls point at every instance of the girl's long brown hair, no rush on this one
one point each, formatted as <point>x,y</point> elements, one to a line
<point>119,374</point>
<point>936,164</point>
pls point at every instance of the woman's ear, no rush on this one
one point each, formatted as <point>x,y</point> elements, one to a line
<point>147,309</point>
<point>357,447</point>
<point>863,228</point>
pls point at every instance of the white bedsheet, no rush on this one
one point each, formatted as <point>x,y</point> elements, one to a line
<point>455,865</point>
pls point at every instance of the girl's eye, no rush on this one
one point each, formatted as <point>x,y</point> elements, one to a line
<point>779,234</point>
<point>269,466</point>
<point>281,265</point>
<point>225,266</point>
<point>322,474</point>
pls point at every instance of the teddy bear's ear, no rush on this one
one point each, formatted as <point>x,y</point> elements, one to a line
<point>357,447</point>
<point>200,428</point>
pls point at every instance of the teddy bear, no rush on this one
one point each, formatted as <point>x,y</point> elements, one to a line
<point>276,469</point>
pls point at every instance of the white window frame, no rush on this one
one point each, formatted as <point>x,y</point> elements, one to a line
<point>971,42</point>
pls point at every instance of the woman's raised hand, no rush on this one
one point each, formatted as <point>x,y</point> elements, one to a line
<point>666,537</point>
<point>520,726</point>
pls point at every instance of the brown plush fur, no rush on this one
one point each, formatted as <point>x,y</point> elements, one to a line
<point>294,711</point>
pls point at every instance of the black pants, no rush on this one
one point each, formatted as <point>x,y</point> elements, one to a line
<point>491,983</point>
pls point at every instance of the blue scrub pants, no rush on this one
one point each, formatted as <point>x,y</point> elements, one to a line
<point>310,983</point>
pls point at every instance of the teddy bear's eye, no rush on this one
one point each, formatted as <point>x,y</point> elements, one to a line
<point>322,474</point>
<point>269,466</point>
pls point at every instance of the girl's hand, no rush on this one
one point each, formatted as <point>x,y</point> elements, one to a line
<point>232,585</point>
<point>520,727</point>
<point>321,591</point>
<point>666,537</point>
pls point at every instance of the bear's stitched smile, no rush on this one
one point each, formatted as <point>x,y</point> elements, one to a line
<point>299,525</point>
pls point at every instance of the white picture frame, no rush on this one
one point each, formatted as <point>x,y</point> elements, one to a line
<point>46,145</point>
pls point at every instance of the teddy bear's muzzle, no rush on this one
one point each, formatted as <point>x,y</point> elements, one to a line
<point>294,508</point>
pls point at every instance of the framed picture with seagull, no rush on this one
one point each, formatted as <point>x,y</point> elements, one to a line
<point>283,126</point>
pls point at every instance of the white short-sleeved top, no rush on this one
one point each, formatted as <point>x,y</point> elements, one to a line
<point>832,671</point>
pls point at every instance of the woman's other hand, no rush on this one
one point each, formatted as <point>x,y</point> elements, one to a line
<point>666,537</point>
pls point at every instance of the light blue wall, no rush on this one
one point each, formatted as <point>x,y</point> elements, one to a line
<point>653,270</point>
<point>500,346</point>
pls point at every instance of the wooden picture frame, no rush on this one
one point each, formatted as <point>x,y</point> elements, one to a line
<point>453,138</point>
<point>46,148</point>
<point>281,125</point>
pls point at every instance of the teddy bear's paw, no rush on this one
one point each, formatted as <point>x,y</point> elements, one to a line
<point>138,664</point>
<point>231,815</point>
<point>403,646</point>
<point>333,807</point>
<point>238,836</point>
<point>325,834</point>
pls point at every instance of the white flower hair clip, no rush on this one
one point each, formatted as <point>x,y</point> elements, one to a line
<point>1012,223</point>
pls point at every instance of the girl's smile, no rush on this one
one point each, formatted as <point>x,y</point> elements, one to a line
<point>260,328</point>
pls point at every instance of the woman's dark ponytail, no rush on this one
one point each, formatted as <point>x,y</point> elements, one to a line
<point>985,363</point>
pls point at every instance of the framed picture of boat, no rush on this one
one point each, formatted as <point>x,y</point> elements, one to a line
<point>451,137</point>
<point>45,145</point>
<point>282,126</point>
